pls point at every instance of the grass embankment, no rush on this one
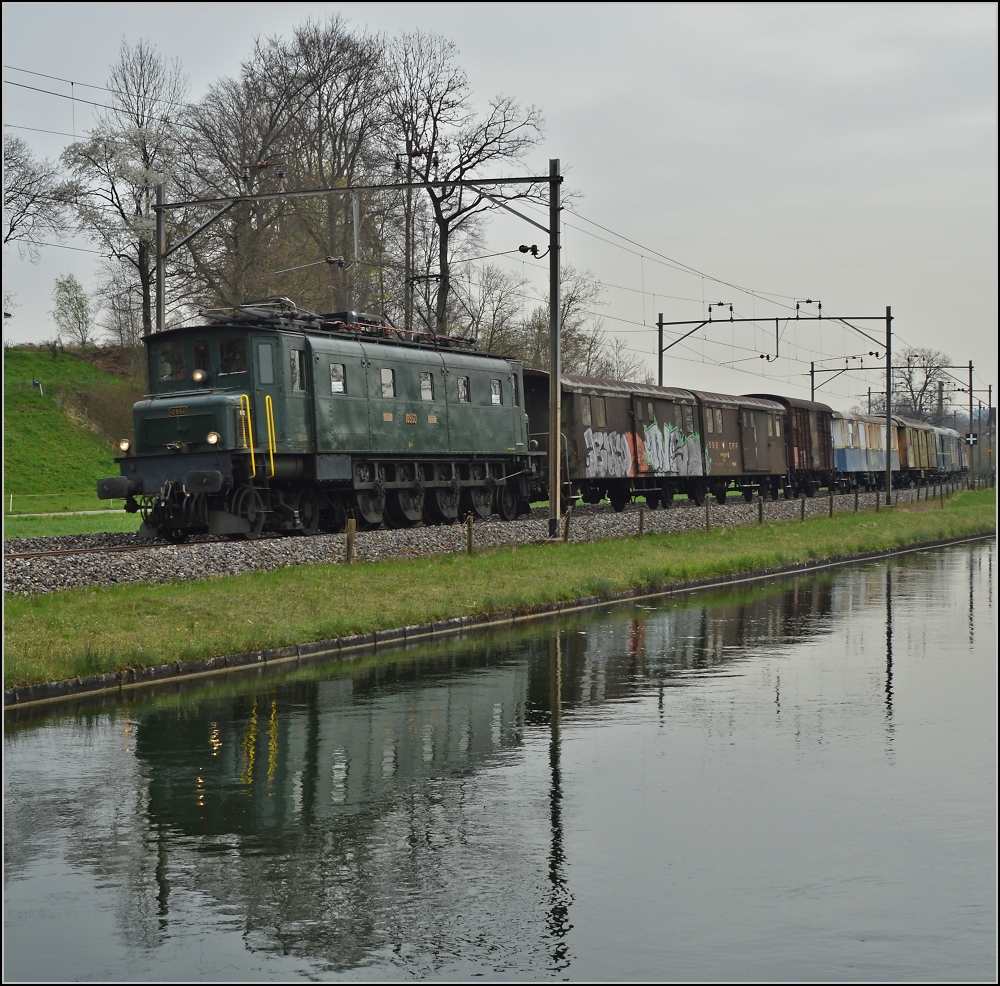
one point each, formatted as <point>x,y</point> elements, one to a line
<point>53,456</point>
<point>62,635</point>
<point>62,525</point>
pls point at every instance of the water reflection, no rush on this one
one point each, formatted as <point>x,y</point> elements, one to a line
<point>410,816</point>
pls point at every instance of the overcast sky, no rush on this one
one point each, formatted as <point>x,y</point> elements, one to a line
<point>836,152</point>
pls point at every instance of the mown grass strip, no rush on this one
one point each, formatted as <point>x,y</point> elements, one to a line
<point>80,632</point>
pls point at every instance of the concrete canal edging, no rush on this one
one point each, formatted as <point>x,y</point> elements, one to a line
<point>357,645</point>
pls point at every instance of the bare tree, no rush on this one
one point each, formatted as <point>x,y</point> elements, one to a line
<point>429,102</point>
<point>119,293</point>
<point>34,199</point>
<point>73,311</point>
<point>132,149</point>
<point>491,301</point>
<point>918,383</point>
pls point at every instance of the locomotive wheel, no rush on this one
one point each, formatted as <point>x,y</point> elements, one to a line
<point>441,506</point>
<point>248,505</point>
<point>371,508</point>
<point>507,502</point>
<point>405,507</point>
<point>307,505</point>
<point>477,501</point>
<point>333,521</point>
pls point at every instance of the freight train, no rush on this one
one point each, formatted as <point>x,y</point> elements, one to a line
<point>268,418</point>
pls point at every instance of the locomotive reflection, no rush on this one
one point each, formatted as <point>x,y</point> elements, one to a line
<point>304,803</point>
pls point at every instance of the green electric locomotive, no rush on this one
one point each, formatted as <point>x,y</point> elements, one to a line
<point>267,418</point>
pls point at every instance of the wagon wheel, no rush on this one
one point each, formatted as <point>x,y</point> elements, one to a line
<point>371,508</point>
<point>405,507</point>
<point>478,501</point>
<point>667,499</point>
<point>653,500</point>
<point>442,506</point>
<point>697,495</point>
<point>248,505</point>
<point>307,504</point>
<point>720,495</point>
<point>775,489</point>
<point>618,498</point>
<point>507,501</point>
<point>748,494</point>
<point>789,491</point>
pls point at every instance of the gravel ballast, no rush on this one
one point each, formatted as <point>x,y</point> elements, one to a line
<point>198,559</point>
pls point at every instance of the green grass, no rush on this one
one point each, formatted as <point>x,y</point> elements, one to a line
<point>61,635</point>
<point>51,461</point>
<point>56,525</point>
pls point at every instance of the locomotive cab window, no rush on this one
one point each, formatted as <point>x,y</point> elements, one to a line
<point>585,411</point>
<point>426,386</point>
<point>464,393</point>
<point>232,355</point>
<point>298,360</point>
<point>169,358</point>
<point>496,392</point>
<point>388,382</point>
<point>201,361</point>
<point>265,363</point>
<point>338,378</point>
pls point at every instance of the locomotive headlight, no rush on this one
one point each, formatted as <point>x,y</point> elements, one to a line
<point>199,376</point>
<point>124,445</point>
<point>213,438</point>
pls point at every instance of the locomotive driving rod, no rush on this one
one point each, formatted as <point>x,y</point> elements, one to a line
<point>553,180</point>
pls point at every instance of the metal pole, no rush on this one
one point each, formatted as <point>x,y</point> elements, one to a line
<point>888,406</point>
<point>659,346</point>
<point>972,448</point>
<point>812,381</point>
<point>989,425</point>
<point>407,245</point>
<point>555,390</point>
<point>161,246</point>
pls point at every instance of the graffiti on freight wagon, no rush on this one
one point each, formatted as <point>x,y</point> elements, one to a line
<point>669,452</point>
<point>609,453</point>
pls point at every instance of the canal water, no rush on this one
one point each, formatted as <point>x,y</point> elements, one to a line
<point>792,780</point>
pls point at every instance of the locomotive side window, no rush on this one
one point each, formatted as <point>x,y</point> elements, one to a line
<point>585,411</point>
<point>265,363</point>
<point>718,420</point>
<point>496,392</point>
<point>602,414</point>
<point>388,382</point>
<point>338,378</point>
<point>426,386</point>
<point>232,355</point>
<point>517,393</point>
<point>298,371</point>
<point>169,361</point>
<point>464,393</point>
